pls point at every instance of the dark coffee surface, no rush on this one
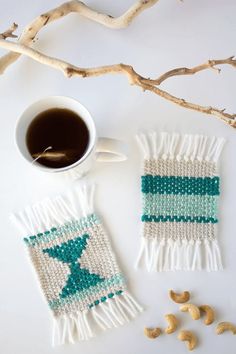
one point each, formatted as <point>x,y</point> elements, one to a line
<point>63,132</point>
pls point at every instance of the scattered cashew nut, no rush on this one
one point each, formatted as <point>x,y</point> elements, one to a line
<point>152,332</point>
<point>210,314</point>
<point>192,309</point>
<point>225,326</point>
<point>179,298</point>
<point>172,323</point>
<point>188,337</point>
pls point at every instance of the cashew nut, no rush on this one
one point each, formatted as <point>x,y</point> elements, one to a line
<point>179,298</point>
<point>210,314</point>
<point>152,332</point>
<point>225,326</point>
<point>172,323</point>
<point>192,309</point>
<point>189,337</point>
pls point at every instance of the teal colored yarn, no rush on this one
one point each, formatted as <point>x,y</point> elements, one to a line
<point>180,185</point>
<point>105,298</point>
<point>177,218</point>
<point>69,252</point>
<point>74,226</point>
<point>115,282</point>
<point>180,205</point>
<point>180,199</point>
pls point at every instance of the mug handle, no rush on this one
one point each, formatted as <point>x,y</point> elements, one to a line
<point>111,150</point>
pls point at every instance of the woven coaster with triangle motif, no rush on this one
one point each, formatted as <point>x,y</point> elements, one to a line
<point>76,267</point>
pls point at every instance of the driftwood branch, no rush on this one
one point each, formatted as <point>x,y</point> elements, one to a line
<point>31,30</point>
<point>210,64</point>
<point>146,84</point>
<point>10,32</point>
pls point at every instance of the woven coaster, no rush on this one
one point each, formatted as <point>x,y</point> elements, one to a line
<point>180,192</point>
<point>76,267</point>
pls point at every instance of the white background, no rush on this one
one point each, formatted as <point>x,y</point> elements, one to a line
<point>169,35</point>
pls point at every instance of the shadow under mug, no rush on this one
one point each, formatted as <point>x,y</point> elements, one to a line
<point>99,149</point>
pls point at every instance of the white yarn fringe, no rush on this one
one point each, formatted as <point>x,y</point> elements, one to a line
<point>182,147</point>
<point>82,326</point>
<point>169,255</point>
<point>53,212</point>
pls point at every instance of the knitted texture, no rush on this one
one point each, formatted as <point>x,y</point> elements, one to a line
<point>180,192</point>
<point>78,272</point>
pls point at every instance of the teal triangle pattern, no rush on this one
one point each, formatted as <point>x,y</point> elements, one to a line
<point>69,252</point>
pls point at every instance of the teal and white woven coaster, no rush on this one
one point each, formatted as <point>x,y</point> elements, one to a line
<point>180,192</point>
<point>76,267</point>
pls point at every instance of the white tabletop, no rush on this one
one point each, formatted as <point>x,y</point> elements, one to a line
<point>169,35</point>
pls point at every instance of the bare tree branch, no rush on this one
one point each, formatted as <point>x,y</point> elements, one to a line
<point>9,33</point>
<point>210,64</point>
<point>31,30</point>
<point>134,78</point>
<point>23,46</point>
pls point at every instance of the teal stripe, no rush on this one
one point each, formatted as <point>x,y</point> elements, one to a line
<point>69,227</point>
<point>180,205</point>
<point>105,298</point>
<point>117,279</point>
<point>178,218</point>
<point>180,185</point>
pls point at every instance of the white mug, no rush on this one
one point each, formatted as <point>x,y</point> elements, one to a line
<point>99,149</point>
